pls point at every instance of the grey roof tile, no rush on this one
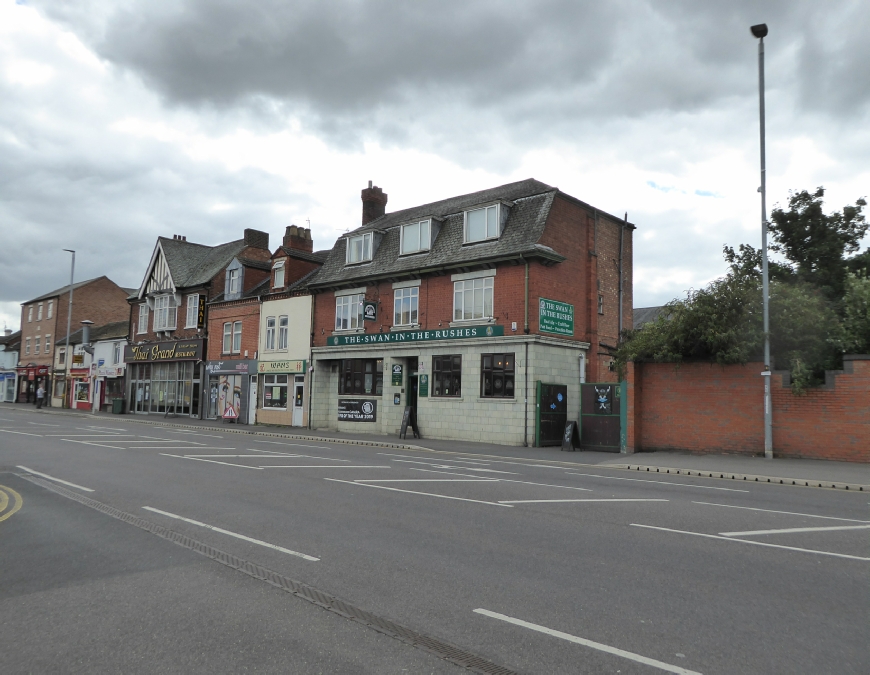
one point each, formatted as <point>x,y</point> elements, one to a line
<point>62,290</point>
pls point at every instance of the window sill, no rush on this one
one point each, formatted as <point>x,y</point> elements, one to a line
<point>488,240</point>
<point>458,399</point>
<point>410,326</point>
<point>424,251</point>
<point>496,399</point>
<point>471,322</point>
<point>275,409</point>
<point>349,331</point>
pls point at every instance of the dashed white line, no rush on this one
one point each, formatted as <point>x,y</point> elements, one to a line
<point>749,541</point>
<point>411,492</point>
<point>233,534</point>
<point>661,665</point>
<point>426,480</point>
<point>23,433</point>
<point>322,466</point>
<point>56,480</point>
<point>795,530</point>
<point>787,513</point>
<point>661,482</point>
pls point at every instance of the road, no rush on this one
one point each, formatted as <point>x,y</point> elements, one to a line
<point>142,548</point>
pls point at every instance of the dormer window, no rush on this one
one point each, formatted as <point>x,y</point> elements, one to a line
<point>482,224</point>
<point>233,278</point>
<point>415,237</point>
<point>278,274</point>
<point>359,248</point>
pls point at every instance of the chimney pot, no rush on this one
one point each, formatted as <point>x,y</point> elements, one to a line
<point>374,205</point>
<point>298,239</point>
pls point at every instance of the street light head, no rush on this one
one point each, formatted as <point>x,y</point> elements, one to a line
<point>759,30</point>
<point>87,322</point>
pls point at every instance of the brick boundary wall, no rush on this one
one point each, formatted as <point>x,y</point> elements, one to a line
<point>707,408</point>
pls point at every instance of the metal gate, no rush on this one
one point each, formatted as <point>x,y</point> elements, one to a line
<point>602,416</point>
<point>551,413</point>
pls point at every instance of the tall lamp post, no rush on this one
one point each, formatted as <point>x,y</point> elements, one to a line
<point>67,355</point>
<point>760,31</point>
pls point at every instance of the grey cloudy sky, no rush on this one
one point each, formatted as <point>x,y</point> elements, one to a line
<point>122,120</point>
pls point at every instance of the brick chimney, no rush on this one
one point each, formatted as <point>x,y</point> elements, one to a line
<point>298,239</point>
<point>257,239</point>
<point>374,203</point>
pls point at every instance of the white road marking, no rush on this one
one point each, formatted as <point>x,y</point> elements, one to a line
<point>525,482</point>
<point>230,456</point>
<point>188,433</point>
<point>40,424</point>
<point>106,428</point>
<point>99,445</point>
<point>788,513</point>
<point>661,665</point>
<point>213,461</point>
<point>554,501</point>
<point>92,435</point>
<point>23,433</point>
<point>426,480</point>
<point>322,466</point>
<point>161,440</point>
<point>448,473</point>
<point>56,480</point>
<point>411,492</point>
<point>749,541</point>
<point>298,445</point>
<point>795,530</point>
<point>467,461</point>
<point>662,482</point>
<point>233,534</point>
<point>177,447</point>
<point>447,466</point>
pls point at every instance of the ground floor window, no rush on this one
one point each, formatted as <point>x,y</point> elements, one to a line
<point>114,388</point>
<point>81,391</point>
<point>447,375</point>
<point>224,391</point>
<point>274,391</point>
<point>164,387</point>
<point>497,376</point>
<point>361,376</point>
<point>59,387</point>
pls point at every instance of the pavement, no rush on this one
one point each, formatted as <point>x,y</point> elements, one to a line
<point>808,472</point>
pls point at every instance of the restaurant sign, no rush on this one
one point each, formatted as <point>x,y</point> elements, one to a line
<point>281,366</point>
<point>416,336</point>
<point>173,350</point>
<point>556,317</point>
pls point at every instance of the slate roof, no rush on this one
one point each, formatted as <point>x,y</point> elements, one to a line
<point>316,256</point>
<point>64,289</point>
<point>642,315</point>
<point>531,200</point>
<point>10,339</point>
<point>111,331</point>
<point>195,264</point>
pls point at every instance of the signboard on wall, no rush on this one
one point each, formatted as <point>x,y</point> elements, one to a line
<point>556,317</point>
<point>200,312</point>
<point>370,311</point>
<point>398,377</point>
<point>281,366</point>
<point>172,350</point>
<point>416,336</point>
<point>357,410</point>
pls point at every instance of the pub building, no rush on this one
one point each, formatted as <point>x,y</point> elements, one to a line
<point>462,310</point>
<point>169,319</point>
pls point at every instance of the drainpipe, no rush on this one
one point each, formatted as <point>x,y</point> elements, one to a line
<point>621,239</point>
<point>310,372</point>
<point>526,365</point>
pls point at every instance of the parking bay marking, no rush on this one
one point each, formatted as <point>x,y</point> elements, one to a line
<point>662,482</point>
<point>505,480</point>
<point>447,466</point>
<point>749,541</point>
<point>99,445</point>
<point>795,530</point>
<point>233,534</point>
<point>56,480</point>
<point>212,461</point>
<point>788,513</point>
<point>411,492</point>
<point>661,665</point>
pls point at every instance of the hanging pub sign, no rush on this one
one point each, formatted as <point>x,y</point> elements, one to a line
<point>357,410</point>
<point>416,336</point>
<point>172,350</point>
<point>370,311</point>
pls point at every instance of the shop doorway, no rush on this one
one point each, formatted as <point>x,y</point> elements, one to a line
<point>252,401</point>
<point>411,399</point>
<point>298,397</point>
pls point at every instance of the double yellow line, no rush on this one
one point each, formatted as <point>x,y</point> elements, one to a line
<point>5,495</point>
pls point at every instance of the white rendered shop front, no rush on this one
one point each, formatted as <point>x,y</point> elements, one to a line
<point>473,383</point>
<point>283,393</point>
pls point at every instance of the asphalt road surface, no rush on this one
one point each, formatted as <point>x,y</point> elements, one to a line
<point>127,547</point>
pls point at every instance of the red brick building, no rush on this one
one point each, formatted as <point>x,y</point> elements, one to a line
<point>169,317</point>
<point>43,326</point>
<point>459,308</point>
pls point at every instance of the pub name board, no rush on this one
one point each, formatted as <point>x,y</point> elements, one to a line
<point>416,336</point>
<point>173,350</point>
<point>556,317</point>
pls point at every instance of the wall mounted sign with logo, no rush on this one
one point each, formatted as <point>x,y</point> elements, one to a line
<point>281,366</point>
<point>155,352</point>
<point>416,336</point>
<point>357,410</point>
<point>200,312</point>
<point>398,377</point>
<point>240,367</point>
<point>556,317</point>
<point>370,311</point>
<point>424,386</point>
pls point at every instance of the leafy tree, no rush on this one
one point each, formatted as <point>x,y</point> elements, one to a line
<point>817,243</point>
<point>856,314</point>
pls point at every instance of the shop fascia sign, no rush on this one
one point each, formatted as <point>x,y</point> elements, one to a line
<point>237,367</point>
<point>281,366</point>
<point>404,337</point>
<point>556,317</point>
<point>174,350</point>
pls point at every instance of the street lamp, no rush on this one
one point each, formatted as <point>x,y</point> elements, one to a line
<point>760,31</point>
<point>67,354</point>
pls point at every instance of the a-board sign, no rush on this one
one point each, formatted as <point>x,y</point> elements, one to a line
<point>409,419</point>
<point>571,436</point>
